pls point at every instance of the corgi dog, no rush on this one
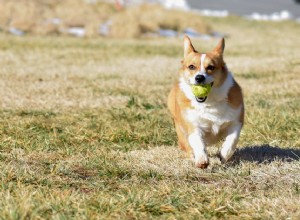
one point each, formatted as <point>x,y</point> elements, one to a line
<point>201,122</point>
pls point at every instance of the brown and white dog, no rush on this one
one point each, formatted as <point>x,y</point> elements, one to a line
<point>205,121</point>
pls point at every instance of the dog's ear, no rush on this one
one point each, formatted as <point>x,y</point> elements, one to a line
<point>219,49</point>
<point>188,47</point>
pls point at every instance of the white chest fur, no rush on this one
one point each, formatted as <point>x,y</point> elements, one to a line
<point>210,117</point>
<point>215,112</point>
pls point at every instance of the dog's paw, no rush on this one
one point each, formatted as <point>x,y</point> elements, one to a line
<point>202,162</point>
<point>202,165</point>
<point>226,154</point>
<point>224,160</point>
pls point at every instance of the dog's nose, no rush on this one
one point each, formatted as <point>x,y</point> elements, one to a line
<point>199,78</point>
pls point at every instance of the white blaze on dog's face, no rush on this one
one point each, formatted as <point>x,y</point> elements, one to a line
<point>203,68</point>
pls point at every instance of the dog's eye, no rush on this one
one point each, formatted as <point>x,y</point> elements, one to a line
<point>210,67</point>
<point>192,67</point>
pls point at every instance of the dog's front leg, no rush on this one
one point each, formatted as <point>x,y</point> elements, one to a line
<point>197,144</point>
<point>230,142</point>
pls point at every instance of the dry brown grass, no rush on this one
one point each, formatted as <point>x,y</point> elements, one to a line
<point>136,21</point>
<point>85,132</point>
<point>33,16</point>
<point>36,17</point>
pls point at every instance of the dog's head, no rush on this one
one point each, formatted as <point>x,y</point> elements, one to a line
<point>203,68</point>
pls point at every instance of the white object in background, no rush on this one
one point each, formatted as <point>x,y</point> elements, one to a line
<point>76,31</point>
<point>175,4</point>
<point>214,13</point>
<point>16,31</point>
<point>276,16</point>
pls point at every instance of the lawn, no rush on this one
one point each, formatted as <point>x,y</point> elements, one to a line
<point>85,132</point>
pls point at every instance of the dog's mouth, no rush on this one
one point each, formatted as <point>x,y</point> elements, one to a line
<point>203,99</point>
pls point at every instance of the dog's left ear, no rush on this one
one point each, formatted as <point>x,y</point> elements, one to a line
<point>219,49</point>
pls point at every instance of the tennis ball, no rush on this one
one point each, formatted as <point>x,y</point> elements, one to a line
<point>201,91</point>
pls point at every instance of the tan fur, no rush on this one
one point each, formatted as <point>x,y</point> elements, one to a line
<point>177,99</point>
<point>235,99</point>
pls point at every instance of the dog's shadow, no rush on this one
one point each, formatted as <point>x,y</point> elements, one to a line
<point>266,154</point>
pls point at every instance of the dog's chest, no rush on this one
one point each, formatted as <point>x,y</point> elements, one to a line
<point>211,117</point>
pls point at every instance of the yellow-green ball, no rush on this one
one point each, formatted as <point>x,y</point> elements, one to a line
<point>201,91</point>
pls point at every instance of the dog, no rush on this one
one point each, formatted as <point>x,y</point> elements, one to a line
<point>201,122</point>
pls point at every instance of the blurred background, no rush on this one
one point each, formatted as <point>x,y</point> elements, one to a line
<point>134,18</point>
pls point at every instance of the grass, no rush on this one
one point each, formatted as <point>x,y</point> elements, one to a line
<point>85,133</point>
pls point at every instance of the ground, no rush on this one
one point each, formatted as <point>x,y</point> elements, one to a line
<point>85,132</point>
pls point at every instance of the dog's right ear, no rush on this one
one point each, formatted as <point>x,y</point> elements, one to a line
<point>188,47</point>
